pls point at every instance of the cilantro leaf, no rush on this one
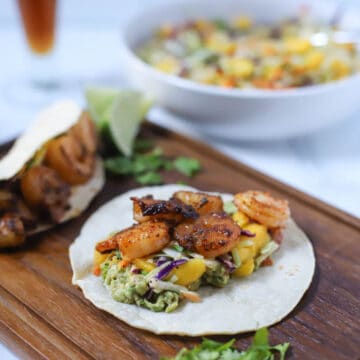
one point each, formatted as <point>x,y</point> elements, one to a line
<point>143,145</point>
<point>149,178</point>
<point>119,165</point>
<point>261,337</point>
<point>213,350</point>
<point>187,166</point>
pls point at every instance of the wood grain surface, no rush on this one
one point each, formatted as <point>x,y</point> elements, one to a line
<point>42,316</point>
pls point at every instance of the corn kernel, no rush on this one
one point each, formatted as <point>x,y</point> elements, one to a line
<point>245,269</point>
<point>240,218</point>
<point>242,22</point>
<point>99,258</point>
<point>144,265</point>
<point>189,272</point>
<point>297,45</point>
<point>261,237</point>
<point>314,60</point>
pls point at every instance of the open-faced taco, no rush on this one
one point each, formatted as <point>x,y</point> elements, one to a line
<point>50,174</point>
<point>193,263</point>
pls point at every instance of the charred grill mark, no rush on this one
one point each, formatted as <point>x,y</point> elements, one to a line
<point>211,235</point>
<point>173,209</point>
<point>203,202</point>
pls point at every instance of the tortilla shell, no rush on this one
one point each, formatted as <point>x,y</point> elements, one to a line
<point>262,299</point>
<point>49,123</point>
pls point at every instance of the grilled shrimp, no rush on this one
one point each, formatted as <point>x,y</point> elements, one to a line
<point>84,131</point>
<point>12,232</point>
<point>72,155</point>
<point>6,200</point>
<point>211,235</point>
<point>202,203</point>
<point>263,208</point>
<point>45,191</point>
<point>137,241</point>
<point>173,210</point>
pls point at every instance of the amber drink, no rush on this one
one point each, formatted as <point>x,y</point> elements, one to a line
<point>38,18</point>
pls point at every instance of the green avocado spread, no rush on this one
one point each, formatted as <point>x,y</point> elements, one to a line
<point>131,287</point>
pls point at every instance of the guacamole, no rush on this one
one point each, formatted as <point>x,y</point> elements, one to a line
<point>129,286</point>
<point>133,288</point>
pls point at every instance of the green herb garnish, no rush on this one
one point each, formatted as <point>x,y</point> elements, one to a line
<point>187,166</point>
<point>210,349</point>
<point>145,167</point>
<point>178,248</point>
<point>149,178</point>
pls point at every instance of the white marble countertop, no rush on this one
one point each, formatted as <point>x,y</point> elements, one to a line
<point>325,164</point>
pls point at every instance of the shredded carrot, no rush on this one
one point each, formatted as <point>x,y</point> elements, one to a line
<point>96,270</point>
<point>191,296</point>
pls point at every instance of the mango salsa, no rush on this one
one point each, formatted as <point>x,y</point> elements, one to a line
<point>189,272</point>
<point>245,269</point>
<point>261,237</point>
<point>240,218</point>
<point>143,264</point>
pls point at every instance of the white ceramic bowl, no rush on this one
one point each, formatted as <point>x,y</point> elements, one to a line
<point>236,113</point>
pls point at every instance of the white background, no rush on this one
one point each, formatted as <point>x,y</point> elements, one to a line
<point>325,164</point>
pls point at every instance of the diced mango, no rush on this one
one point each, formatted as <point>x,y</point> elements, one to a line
<point>245,269</point>
<point>240,218</point>
<point>273,73</point>
<point>144,265</point>
<point>240,67</point>
<point>242,22</point>
<point>297,45</point>
<point>245,253</point>
<point>261,237</point>
<point>314,60</point>
<point>189,272</point>
<point>339,69</point>
<point>249,244</point>
<point>227,81</point>
<point>168,65</point>
<point>99,258</point>
<point>221,44</point>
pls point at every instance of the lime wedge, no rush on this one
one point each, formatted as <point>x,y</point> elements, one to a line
<point>99,101</point>
<point>127,112</point>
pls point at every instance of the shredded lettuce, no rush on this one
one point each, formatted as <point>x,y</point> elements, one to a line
<point>229,207</point>
<point>236,257</point>
<point>265,252</point>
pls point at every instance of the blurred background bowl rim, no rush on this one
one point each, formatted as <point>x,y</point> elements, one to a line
<point>191,85</point>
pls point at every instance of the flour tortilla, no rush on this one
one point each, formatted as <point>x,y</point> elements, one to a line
<point>262,299</point>
<point>49,123</point>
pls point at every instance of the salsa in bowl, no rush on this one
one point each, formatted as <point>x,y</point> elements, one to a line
<point>245,111</point>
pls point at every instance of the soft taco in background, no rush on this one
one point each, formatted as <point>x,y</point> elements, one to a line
<point>50,174</point>
<point>194,263</point>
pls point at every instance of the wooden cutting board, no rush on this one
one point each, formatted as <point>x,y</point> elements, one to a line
<point>43,316</point>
